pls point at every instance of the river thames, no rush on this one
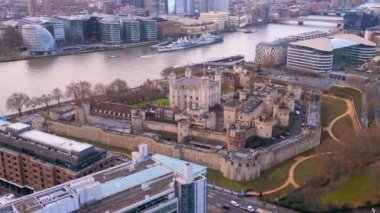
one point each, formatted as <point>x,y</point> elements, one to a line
<point>38,76</point>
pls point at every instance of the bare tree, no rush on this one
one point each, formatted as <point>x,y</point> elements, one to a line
<point>73,91</point>
<point>117,90</point>
<point>85,89</point>
<point>118,85</point>
<point>99,90</point>
<point>17,101</point>
<point>45,99</point>
<point>57,94</point>
<point>33,103</point>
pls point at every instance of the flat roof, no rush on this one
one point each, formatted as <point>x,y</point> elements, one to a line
<point>18,126</point>
<point>120,184</point>
<point>54,141</point>
<point>177,165</point>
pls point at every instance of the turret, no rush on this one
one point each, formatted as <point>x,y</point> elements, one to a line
<point>172,82</point>
<point>205,92</point>
<point>188,72</point>
<point>183,131</point>
<point>218,78</point>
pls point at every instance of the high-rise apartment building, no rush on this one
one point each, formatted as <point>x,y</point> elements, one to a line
<point>32,7</point>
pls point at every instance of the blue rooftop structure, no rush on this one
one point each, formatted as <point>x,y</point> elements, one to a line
<point>178,165</point>
<point>124,183</point>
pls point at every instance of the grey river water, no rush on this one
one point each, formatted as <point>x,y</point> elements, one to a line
<point>135,65</point>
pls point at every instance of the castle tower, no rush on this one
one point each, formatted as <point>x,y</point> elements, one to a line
<point>236,138</point>
<point>80,115</point>
<point>243,95</point>
<point>218,78</point>
<point>137,121</point>
<point>205,92</point>
<point>188,72</point>
<point>183,131</point>
<point>172,96</point>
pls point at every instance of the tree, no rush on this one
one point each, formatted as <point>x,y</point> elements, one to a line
<point>33,103</point>
<point>117,90</point>
<point>17,101</point>
<point>84,89</point>
<point>118,85</point>
<point>99,90</point>
<point>73,91</point>
<point>57,94</point>
<point>45,99</point>
<point>11,37</point>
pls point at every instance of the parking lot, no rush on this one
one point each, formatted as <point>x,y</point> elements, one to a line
<point>293,130</point>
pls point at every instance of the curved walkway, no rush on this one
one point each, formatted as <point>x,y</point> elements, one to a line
<point>290,180</point>
<point>350,111</point>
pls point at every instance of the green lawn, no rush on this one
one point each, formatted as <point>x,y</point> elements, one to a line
<point>356,95</point>
<point>306,170</point>
<point>226,90</point>
<point>343,128</point>
<point>268,179</point>
<point>356,190</point>
<point>160,102</point>
<point>331,108</point>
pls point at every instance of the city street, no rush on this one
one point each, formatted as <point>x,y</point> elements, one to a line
<point>216,199</point>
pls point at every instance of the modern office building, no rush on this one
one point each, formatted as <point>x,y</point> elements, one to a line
<point>148,29</point>
<point>55,26</point>
<point>185,7</point>
<point>329,53</point>
<point>31,160</point>
<point>38,39</point>
<point>131,31</point>
<point>156,184</point>
<point>75,29</point>
<point>47,5</point>
<point>357,20</point>
<point>110,28</point>
<point>205,6</point>
<point>154,8</point>
<point>32,7</point>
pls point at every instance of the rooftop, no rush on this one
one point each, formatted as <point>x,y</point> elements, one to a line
<point>110,190</point>
<point>336,42</point>
<point>59,143</point>
<point>18,126</point>
<point>177,165</point>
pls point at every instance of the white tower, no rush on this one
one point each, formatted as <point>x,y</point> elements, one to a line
<point>188,72</point>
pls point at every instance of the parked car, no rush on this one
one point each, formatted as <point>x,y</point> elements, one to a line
<point>226,207</point>
<point>234,203</point>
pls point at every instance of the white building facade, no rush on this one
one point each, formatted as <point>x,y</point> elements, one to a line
<point>193,93</point>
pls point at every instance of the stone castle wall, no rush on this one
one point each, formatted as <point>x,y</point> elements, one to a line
<point>232,169</point>
<point>275,156</point>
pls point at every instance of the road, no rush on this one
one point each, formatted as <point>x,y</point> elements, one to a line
<point>216,199</point>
